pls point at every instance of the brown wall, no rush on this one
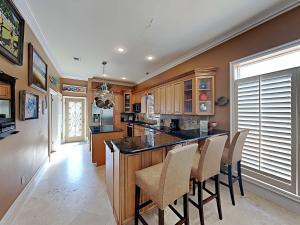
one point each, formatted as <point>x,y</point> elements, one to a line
<point>22,154</point>
<point>278,31</point>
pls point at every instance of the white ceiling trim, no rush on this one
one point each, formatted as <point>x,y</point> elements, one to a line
<point>256,21</point>
<point>25,10</point>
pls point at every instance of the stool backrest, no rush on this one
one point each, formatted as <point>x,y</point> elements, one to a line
<point>237,145</point>
<point>210,158</point>
<point>175,176</point>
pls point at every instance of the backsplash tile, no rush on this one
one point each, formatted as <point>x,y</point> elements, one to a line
<point>186,122</point>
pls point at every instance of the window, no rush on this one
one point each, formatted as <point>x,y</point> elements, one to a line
<point>264,100</point>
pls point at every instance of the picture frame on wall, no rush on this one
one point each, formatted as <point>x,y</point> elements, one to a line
<point>11,32</point>
<point>29,106</point>
<point>37,70</point>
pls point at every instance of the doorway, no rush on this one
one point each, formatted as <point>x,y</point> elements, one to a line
<point>74,119</point>
<point>55,120</point>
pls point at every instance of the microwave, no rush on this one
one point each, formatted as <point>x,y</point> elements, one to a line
<point>127,117</point>
<point>136,107</point>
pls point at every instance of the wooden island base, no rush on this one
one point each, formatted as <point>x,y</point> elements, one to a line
<point>120,179</point>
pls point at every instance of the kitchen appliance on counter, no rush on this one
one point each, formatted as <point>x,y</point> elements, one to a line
<point>127,117</point>
<point>174,125</point>
<point>136,107</point>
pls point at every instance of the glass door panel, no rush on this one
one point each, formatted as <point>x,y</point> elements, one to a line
<point>205,95</point>
<point>188,96</point>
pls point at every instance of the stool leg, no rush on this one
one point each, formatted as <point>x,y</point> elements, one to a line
<point>200,202</point>
<point>137,204</point>
<point>218,198</point>
<point>186,209</point>
<point>175,202</point>
<point>194,187</point>
<point>240,177</point>
<point>161,217</point>
<point>230,183</point>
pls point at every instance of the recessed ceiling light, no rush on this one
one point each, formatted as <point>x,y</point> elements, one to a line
<point>123,78</point>
<point>104,75</point>
<point>149,57</point>
<point>120,49</point>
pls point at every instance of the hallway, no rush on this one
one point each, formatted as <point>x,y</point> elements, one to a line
<point>71,191</point>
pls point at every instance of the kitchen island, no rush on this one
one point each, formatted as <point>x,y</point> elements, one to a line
<point>127,155</point>
<point>98,134</point>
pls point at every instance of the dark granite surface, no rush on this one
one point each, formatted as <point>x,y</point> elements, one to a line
<point>104,129</point>
<point>131,145</point>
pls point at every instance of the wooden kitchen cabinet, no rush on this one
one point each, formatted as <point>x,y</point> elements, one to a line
<point>127,102</point>
<point>138,130</point>
<point>156,100</point>
<point>188,96</point>
<point>178,98</point>
<point>205,95</point>
<point>162,100</point>
<point>169,100</point>
<point>5,91</point>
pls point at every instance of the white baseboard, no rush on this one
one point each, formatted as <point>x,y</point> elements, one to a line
<point>288,201</point>
<point>21,199</point>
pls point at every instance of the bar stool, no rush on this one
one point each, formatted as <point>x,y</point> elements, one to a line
<point>166,182</point>
<point>207,165</point>
<point>233,155</point>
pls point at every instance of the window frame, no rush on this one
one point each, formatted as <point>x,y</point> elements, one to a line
<point>263,180</point>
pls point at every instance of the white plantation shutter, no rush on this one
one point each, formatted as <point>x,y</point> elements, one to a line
<point>276,130</point>
<point>264,105</point>
<point>248,118</point>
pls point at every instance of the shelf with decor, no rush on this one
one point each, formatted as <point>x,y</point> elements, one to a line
<point>205,95</point>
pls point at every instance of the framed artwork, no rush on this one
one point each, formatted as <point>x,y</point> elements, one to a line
<point>11,32</point>
<point>37,70</point>
<point>29,106</point>
<point>73,88</point>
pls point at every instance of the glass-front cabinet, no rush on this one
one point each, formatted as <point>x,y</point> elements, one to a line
<point>205,97</point>
<point>188,96</point>
<point>127,102</point>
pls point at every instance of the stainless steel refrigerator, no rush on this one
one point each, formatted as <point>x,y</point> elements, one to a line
<point>102,116</point>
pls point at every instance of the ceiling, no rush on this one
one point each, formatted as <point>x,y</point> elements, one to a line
<point>170,30</point>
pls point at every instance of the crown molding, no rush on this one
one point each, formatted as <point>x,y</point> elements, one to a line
<point>254,22</point>
<point>26,12</point>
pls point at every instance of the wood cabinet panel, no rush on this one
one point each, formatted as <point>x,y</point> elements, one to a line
<point>162,100</point>
<point>5,91</point>
<point>157,101</point>
<point>109,173</point>
<point>178,98</point>
<point>98,146</point>
<point>169,101</point>
<point>127,102</point>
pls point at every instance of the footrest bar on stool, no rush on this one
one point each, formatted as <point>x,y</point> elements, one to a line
<point>176,212</point>
<point>145,204</point>
<point>142,220</point>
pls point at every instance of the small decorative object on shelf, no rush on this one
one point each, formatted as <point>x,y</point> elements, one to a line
<point>203,84</point>
<point>212,125</point>
<point>203,96</point>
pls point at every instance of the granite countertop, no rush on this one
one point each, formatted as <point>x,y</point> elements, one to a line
<point>130,145</point>
<point>104,129</point>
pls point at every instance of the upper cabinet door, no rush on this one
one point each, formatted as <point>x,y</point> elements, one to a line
<point>127,102</point>
<point>5,92</point>
<point>162,100</point>
<point>170,99</point>
<point>178,98</point>
<point>205,95</point>
<point>188,96</point>
<point>157,101</point>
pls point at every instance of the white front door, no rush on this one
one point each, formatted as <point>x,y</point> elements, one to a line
<point>74,119</point>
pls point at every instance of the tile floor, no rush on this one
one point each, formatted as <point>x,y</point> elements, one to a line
<point>72,192</point>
